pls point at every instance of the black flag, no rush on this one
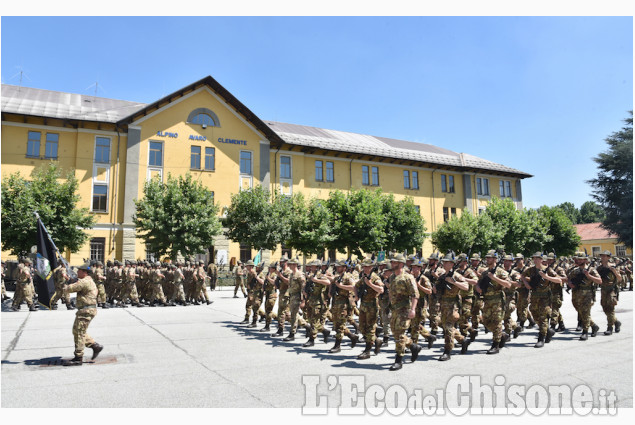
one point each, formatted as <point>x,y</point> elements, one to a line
<point>45,264</point>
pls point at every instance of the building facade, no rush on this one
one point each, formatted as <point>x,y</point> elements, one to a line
<point>595,240</point>
<point>115,146</point>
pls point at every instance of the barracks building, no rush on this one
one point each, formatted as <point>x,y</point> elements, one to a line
<point>114,146</point>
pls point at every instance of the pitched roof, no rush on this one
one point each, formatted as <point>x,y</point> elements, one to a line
<point>591,231</point>
<point>52,104</point>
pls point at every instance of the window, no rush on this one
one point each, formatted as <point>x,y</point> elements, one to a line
<point>453,212</point>
<point>100,197</point>
<point>50,150</point>
<point>365,180</point>
<point>332,255</point>
<point>595,251</point>
<point>156,154</point>
<point>330,173</point>
<point>446,215</point>
<point>482,186</point>
<point>620,250</point>
<point>150,256</point>
<point>285,167</point>
<point>508,188</point>
<point>406,179</point>
<point>447,183</point>
<point>210,159</point>
<point>97,249</point>
<point>481,210</point>
<point>195,158</point>
<point>375,171</point>
<point>202,119</point>
<point>286,251</point>
<point>418,208</point>
<point>245,162</point>
<point>451,184</point>
<point>415,180</point>
<point>33,144</point>
<point>245,253</point>
<point>319,171</point>
<point>102,150</point>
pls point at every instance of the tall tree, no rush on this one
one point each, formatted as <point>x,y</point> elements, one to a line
<point>570,211</point>
<point>613,187</point>
<point>55,201</point>
<point>590,212</point>
<point>565,239</point>
<point>309,225</point>
<point>405,228</point>
<point>178,216</point>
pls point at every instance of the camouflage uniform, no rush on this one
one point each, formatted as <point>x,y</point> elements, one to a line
<point>494,306</point>
<point>157,289</point>
<point>583,295</point>
<point>23,289</point>
<point>270,297</point>
<point>556,298</point>
<point>369,309</point>
<point>212,272</point>
<point>254,296</point>
<point>238,276</point>
<point>402,289</point>
<point>417,324</point>
<point>201,287</point>
<point>101,290</point>
<point>86,311</point>
<point>316,308</point>
<point>511,295</point>
<point>540,306</point>
<point>434,306</point>
<point>609,294</point>
<point>283,299</point>
<point>450,307</point>
<point>467,303</point>
<point>178,293</point>
<point>339,310</point>
<point>522,306</point>
<point>130,286</point>
<point>384,310</point>
<point>296,284</point>
<point>60,278</point>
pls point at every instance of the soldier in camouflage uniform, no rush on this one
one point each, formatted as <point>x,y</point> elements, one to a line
<point>384,304</point>
<point>340,286</point>
<point>178,294</point>
<point>447,287</point>
<point>511,297</point>
<point>157,289</point>
<point>130,286</point>
<point>200,277</point>
<point>404,296</point>
<point>239,273</point>
<point>467,298</point>
<point>255,284</point>
<point>609,291</point>
<point>491,285</point>
<point>23,287</point>
<point>556,294</point>
<point>100,279</point>
<point>296,287</point>
<point>431,273</point>
<point>283,298</point>
<point>522,306</point>
<point>477,301</point>
<point>538,279</point>
<point>270,297</point>
<point>581,280</point>
<point>417,324</point>
<point>60,278</point>
<point>367,290</point>
<point>4,290</point>
<point>316,304</point>
<point>212,272</point>
<point>86,311</point>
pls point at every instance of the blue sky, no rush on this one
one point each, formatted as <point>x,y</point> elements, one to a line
<point>537,94</point>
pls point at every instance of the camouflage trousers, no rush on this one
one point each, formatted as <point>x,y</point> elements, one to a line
<point>270,302</point>
<point>582,300</point>
<point>4,290</point>
<point>417,324</point>
<point>22,293</point>
<point>368,321</point>
<point>316,316</point>
<point>248,304</point>
<point>450,309</point>
<point>59,295</point>
<point>294,308</point>
<point>493,313</point>
<point>434,309</point>
<point>157,293</point>
<point>384,314</point>
<point>477,306</point>
<point>178,294</point>
<point>540,308</point>
<point>82,339</point>
<point>283,309</point>
<point>130,291</point>
<point>201,291</point>
<point>339,316</point>
<point>101,294</point>
<point>466,314</point>
<point>608,301</point>
<point>510,305</point>
<point>256,301</point>
<point>239,284</point>
<point>522,312</point>
<point>556,304</point>
<point>400,323</point>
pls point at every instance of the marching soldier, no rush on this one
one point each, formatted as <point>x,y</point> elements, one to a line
<point>270,297</point>
<point>417,324</point>
<point>283,297</point>
<point>581,280</point>
<point>340,286</point>
<point>556,294</point>
<point>448,286</point>
<point>315,303</point>
<point>212,272</point>
<point>522,307</point>
<point>404,296</point>
<point>100,279</point>
<point>23,287</point>
<point>157,290</point>
<point>610,292</point>
<point>254,293</point>
<point>467,298</point>
<point>384,304</point>
<point>511,297</point>
<point>239,273</point>
<point>367,288</point>
<point>201,288</point>
<point>130,286</point>
<point>60,278</point>
<point>296,287</point>
<point>477,301</point>
<point>431,273</point>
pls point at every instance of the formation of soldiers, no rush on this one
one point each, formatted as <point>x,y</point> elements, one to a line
<point>454,294</point>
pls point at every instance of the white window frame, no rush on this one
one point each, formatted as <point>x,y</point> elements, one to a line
<point>599,251</point>
<point>282,180</point>
<point>96,180</point>
<point>620,246</point>
<point>154,168</point>
<point>109,149</point>
<point>481,187</point>
<point>242,176</point>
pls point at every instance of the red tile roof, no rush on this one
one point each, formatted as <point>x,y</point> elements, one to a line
<point>591,231</point>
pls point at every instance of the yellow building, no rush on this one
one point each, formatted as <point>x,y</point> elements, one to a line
<point>596,240</point>
<point>114,146</point>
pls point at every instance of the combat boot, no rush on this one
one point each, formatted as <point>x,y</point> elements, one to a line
<point>414,352</point>
<point>561,327</point>
<point>594,330</point>
<point>464,345</point>
<point>550,334</point>
<point>354,339</point>
<point>54,307</point>
<point>266,328</point>
<point>521,323</point>
<point>541,341</point>
<point>504,339</point>
<point>307,329</point>
<point>579,327</point>
<point>385,341</point>
<point>291,337</point>
<point>445,356</point>
<point>485,329</point>
<point>138,305</point>
<point>210,301</point>
<point>309,343</point>
<point>326,334</point>
<point>378,331</point>
<point>531,323</point>
<point>517,330</point>
<point>397,365</point>
<point>431,340</point>
<point>609,331</point>
<point>253,324</point>
<point>244,322</point>
<point>105,306</point>
<point>377,346</point>
<point>279,332</point>
<point>618,324</point>
<point>96,350</point>
<point>366,353</point>
<point>70,307</point>
<point>14,308</point>
<point>245,294</point>
<point>434,331</point>
<point>585,335</point>
<point>553,326</point>
<point>473,334</point>
<point>336,348</point>
<point>494,348</point>
<point>75,361</point>
<point>262,318</point>
<point>32,307</point>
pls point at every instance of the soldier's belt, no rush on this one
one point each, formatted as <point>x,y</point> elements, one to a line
<point>541,294</point>
<point>584,288</point>
<point>88,306</point>
<point>491,296</point>
<point>450,298</point>
<point>338,301</point>
<point>372,303</point>
<point>402,304</point>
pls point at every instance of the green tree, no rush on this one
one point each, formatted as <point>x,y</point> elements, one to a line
<point>55,201</point>
<point>468,234</point>
<point>570,211</point>
<point>405,228</point>
<point>565,239</point>
<point>590,212</point>
<point>253,219</point>
<point>178,216</point>
<point>309,225</point>
<point>613,187</point>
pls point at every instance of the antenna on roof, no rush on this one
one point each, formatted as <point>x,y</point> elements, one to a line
<point>21,73</point>
<point>96,88</point>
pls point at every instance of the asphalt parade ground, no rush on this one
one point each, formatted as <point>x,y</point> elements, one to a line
<point>200,356</point>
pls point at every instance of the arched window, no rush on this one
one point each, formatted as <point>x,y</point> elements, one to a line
<point>204,117</point>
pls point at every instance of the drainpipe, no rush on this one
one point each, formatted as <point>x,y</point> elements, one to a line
<point>350,173</point>
<point>116,189</point>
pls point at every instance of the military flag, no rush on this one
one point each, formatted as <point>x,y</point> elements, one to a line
<point>45,263</point>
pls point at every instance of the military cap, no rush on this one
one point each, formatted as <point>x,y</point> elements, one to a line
<point>99,264</point>
<point>491,253</point>
<point>283,258</point>
<point>434,256</point>
<point>417,264</point>
<point>117,263</point>
<point>292,261</point>
<point>462,257</point>
<point>340,263</point>
<point>157,264</point>
<point>537,254</point>
<point>249,263</point>
<point>447,258</point>
<point>85,267</point>
<point>109,263</point>
<point>368,262</point>
<point>476,256</point>
<point>399,258</point>
<point>607,252</point>
<point>551,256</point>
<point>412,257</point>
<point>26,260</point>
<point>508,257</point>
<point>519,256</point>
<point>325,263</point>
